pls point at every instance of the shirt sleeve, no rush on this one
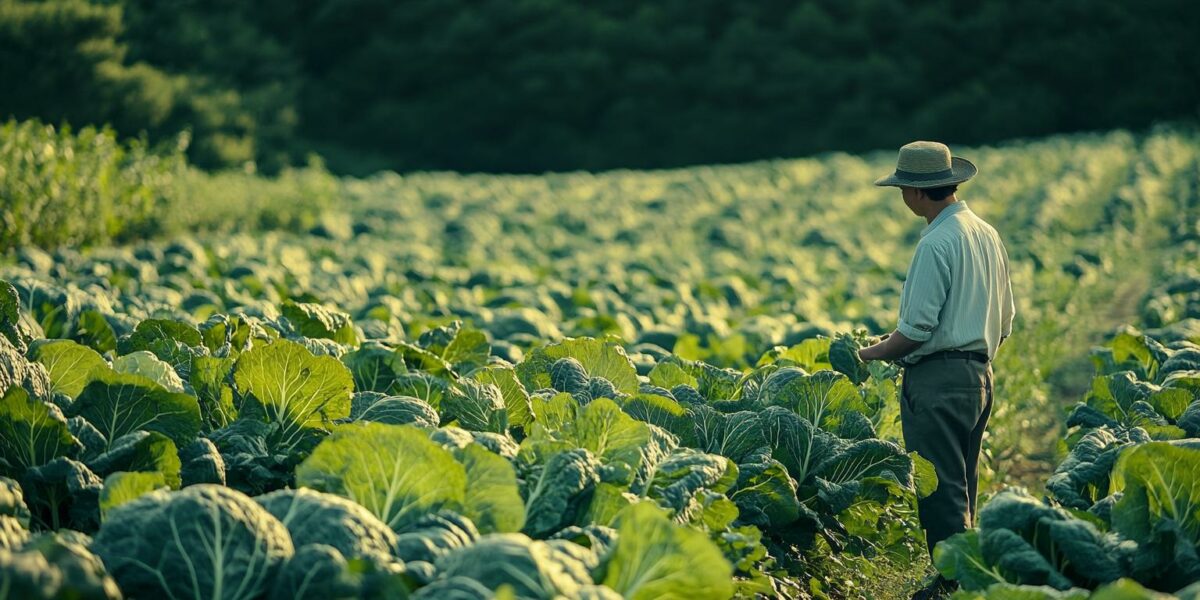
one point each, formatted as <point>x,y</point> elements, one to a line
<point>1008,307</point>
<point>924,293</point>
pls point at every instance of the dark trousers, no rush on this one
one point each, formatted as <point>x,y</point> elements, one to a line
<point>944,407</point>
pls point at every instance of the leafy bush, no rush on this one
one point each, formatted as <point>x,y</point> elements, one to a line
<point>63,187</point>
<point>86,187</point>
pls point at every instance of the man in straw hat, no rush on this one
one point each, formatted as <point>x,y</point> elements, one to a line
<point>955,310</point>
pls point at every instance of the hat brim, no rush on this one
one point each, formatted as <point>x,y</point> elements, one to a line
<point>961,170</point>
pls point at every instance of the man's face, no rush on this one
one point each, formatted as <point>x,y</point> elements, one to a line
<point>911,198</point>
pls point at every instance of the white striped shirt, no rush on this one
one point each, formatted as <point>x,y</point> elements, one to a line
<point>957,295</point>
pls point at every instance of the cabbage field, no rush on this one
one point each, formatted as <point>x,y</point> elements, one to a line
<point>595,386</point>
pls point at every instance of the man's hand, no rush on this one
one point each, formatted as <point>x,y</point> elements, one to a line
<point>893,346</point>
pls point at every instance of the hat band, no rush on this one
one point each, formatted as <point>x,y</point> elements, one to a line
<point>924,176</point>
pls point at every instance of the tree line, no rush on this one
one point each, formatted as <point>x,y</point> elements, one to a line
<point>535,85</point>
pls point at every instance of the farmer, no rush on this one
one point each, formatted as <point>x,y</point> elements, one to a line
<point>955,310</point>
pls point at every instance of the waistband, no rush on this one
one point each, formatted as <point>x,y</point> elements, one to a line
<point>969,355</point>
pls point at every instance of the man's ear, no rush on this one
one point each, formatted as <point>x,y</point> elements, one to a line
<point>921,195</point>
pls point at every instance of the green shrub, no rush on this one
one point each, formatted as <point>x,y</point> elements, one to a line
<point>62,187</point>
<point>78,188</point>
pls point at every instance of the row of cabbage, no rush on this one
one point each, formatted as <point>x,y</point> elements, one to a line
<point>249,457</point>
<point>1121,512</point>
<point>722,319</point>
<point>720,263</point>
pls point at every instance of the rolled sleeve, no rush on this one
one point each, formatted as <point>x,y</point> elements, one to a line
<point>925,291</point>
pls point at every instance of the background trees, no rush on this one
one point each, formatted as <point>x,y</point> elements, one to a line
<point>533,85</point>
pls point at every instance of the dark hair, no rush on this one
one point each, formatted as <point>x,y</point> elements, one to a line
<point>937,194</point>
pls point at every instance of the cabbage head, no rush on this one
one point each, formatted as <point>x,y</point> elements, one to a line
<point>206,541</point>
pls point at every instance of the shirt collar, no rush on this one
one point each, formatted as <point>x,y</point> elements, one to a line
<point>946,213</point>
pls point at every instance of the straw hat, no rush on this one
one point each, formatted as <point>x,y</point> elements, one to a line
<point>928,165</point>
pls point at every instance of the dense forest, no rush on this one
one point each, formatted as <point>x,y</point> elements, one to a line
<point>535,85</point>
